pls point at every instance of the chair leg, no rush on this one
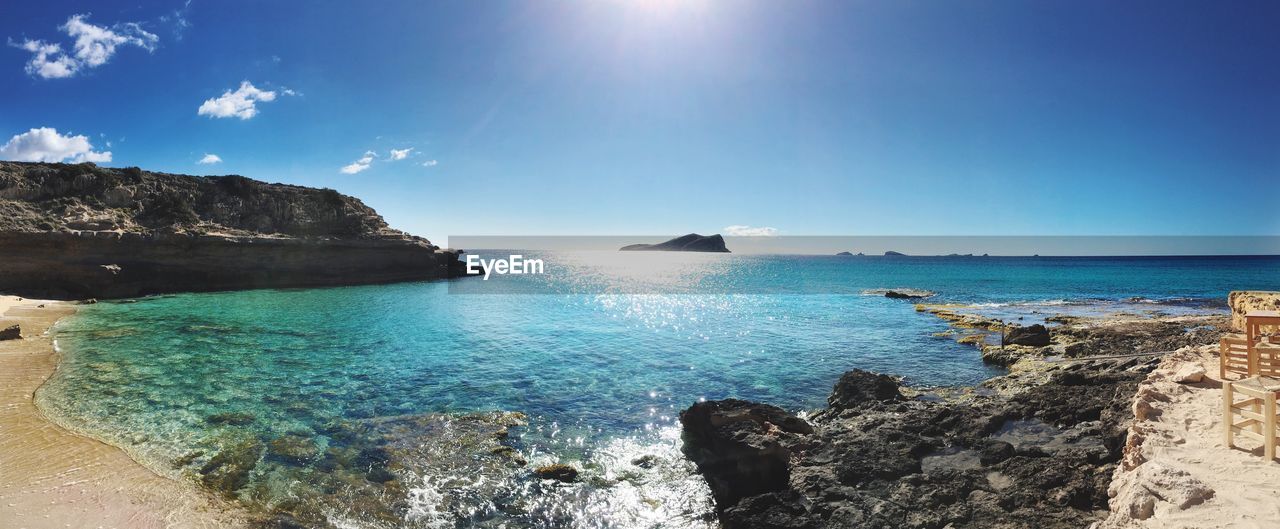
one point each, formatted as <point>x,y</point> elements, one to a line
<point>1257,408</point>
<point>1227,421</point>
<point>1269,435</point>
<point>1222,360</point>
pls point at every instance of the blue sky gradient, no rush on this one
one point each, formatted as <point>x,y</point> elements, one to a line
<point>668,116</point>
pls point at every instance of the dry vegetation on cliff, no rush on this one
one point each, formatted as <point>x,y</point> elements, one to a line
<point>45,197</point>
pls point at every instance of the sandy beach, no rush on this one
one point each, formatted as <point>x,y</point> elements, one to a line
<point>1177,471</point>
<point>53,478</point>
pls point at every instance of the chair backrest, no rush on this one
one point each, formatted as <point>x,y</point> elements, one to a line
<point>1268,359</point>
<point>1234,353</point>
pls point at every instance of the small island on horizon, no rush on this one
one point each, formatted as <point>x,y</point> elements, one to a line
<point>684,243</point>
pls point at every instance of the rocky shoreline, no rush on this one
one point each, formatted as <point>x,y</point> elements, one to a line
<point>76,231</point>
<point>1034,448</point>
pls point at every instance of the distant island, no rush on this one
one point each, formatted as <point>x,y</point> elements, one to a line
<point>893,253</point>
<point>849,254</point>
<point>685,243</point>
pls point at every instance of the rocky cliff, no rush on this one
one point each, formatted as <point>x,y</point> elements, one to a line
<point>78,230</point>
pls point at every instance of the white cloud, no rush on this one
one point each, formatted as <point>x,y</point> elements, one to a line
<point>430,163</point>
<point>359,165</point>
<point>210,159</point>
<point>93,47</point>
<point>400,154</point>
<point>48,61</point>
<point>241,103</point>
<point>46,145</point>
<point>738,230</point>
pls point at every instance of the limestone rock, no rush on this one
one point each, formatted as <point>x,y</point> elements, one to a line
<point>1154,487</point>
<point>1245,301</point>
<point>1189,373</point>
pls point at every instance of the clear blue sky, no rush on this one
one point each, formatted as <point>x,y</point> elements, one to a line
<point>669,116</point>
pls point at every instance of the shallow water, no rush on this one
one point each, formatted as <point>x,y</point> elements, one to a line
<point>602,377</point>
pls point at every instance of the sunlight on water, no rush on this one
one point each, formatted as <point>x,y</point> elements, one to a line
<point>396,405</point>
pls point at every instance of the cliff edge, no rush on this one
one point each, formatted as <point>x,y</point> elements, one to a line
<point>79,230</point>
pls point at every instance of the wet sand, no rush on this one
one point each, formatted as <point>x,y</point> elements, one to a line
<point>53,478</point>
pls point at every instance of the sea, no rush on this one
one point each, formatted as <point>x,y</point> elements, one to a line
<point>371,406</point>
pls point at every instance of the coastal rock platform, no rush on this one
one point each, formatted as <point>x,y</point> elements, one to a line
<point>1035,448</point>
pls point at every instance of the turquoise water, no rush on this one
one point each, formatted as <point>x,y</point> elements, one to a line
<point>601,377</point>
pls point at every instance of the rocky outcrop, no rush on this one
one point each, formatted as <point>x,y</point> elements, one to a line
<point>908,294</point>
<point>845,254</point>
<point>1034,336</point>
<point>857,388</point>
<point>78,230</point>
<point>892,253</point>
<point>686,243</point>
<point>1036,450</point>
<point>1245,301</point>
<point>12,332</point>
<point>741,447</point>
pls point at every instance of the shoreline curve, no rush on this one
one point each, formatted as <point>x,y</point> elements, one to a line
<point>54,477</point>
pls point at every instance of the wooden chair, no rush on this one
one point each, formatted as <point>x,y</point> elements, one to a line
<point>1257,412</point>
<point>1233,356</point>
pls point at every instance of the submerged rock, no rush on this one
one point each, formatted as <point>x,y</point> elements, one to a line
<point>293,449</point>
<point>558,472</point>
<point>229,469</point>
<point>233,418</point>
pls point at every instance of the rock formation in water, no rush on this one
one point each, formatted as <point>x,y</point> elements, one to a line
<point>1035,448</point>
<point>908,293</point>
<point>79,230</point>
<point>685,243</point>
<point>847,254</point>
<point>892,253</point>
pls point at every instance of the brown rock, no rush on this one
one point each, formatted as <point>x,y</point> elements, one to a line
<point>558,472</point>
<point>12,332</point>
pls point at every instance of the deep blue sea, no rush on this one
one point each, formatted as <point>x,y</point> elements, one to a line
<point>601,366</point>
